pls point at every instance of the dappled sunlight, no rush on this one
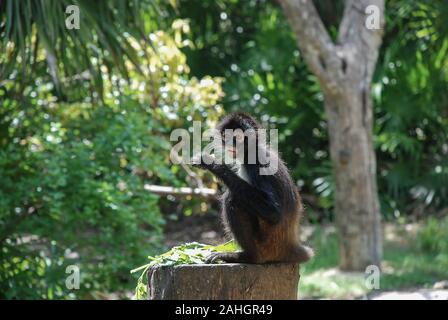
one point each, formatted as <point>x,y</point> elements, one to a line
<point>332,283</point>
<point>100,99</point>
<point>404,266</point>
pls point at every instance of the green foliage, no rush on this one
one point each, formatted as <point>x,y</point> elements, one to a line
<point>252,45</point>
<point>73,171</point>
<point>411,131</point>
<point>85,117</point>
<point>432,238</point>
<point>418,258</point>
<point>29,27</point>
<point>70,183</point>
<point>188,253</point>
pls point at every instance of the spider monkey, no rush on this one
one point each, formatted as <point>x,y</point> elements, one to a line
<point>262,212</point>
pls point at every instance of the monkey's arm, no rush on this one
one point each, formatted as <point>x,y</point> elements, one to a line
<point>246,196</point>
<point>255,201</point>
<point>221,171</point>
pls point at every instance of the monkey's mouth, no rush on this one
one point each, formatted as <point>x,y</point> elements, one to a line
<point>232,152</point>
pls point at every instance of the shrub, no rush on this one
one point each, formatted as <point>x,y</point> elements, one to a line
<point>73,169</point>
<point>433,237</point>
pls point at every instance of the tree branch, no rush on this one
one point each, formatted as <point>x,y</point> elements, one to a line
<point>327,60</point>
<point>183,191</point>
<point>353,24</point>
<point>315,44</point>
<point>356,38</point>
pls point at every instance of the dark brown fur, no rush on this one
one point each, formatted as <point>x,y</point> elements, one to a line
<point>263,215</point>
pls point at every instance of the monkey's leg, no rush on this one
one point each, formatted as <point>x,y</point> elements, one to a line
<point>230,257</point>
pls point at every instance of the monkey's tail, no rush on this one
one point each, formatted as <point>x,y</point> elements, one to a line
<point>303,254</point>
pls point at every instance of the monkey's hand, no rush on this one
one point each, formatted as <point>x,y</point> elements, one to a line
<point>219,170</point>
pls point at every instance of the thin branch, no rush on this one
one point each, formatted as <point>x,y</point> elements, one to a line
<point>183,191</point>
<point>361,43</point>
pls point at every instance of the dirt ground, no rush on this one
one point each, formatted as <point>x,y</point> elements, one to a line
<point>204,228</point>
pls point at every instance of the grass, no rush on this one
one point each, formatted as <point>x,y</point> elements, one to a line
<point>407,264</point>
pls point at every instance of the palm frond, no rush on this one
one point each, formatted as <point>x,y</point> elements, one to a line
<point>35,31</point>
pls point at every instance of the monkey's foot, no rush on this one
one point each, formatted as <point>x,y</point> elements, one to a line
<point>214,257</point>
<point>231,257</point>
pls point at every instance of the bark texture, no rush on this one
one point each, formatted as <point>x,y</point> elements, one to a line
<point>344,69</point>
<point>224,282</point>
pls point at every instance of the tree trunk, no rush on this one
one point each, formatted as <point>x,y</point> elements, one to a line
<point>344,70</point>
<point>356,203</point>
<point>229,281</point>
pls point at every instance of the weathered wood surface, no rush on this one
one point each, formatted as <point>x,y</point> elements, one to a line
<point>224,282</point>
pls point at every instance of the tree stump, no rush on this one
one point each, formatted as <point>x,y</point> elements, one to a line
<point>224,282</point>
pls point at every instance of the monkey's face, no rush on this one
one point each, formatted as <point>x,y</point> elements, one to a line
<point>240,146</point>
<point>239,137</point>
<point>233,141</point>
